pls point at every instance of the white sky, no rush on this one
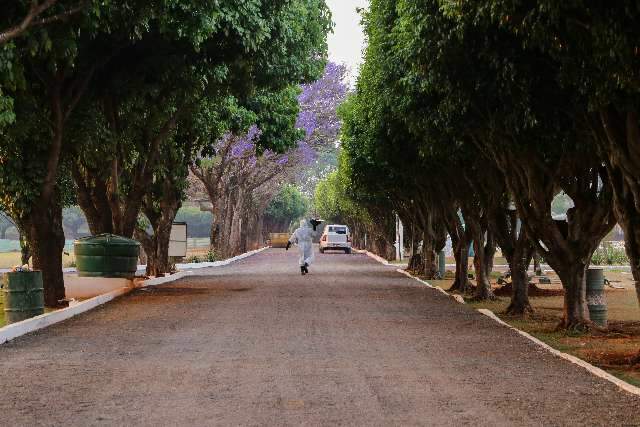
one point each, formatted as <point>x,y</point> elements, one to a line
<point>347,40</point>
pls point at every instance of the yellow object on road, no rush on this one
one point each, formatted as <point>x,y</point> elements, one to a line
<point>279,240</point>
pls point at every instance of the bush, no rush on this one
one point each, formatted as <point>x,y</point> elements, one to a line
<point>193,259</point>
<point>608,255</point>
<point>211,256</point>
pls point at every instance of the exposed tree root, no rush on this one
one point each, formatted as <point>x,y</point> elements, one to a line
<point>580,327</point>
<point>534,291</point>
<point>461,288</point>
<point>519,310</point>
<point>489,296</point>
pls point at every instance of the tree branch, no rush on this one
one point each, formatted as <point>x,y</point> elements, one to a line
<point>31,19</point>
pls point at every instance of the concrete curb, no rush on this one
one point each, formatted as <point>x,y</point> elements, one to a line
<point>429,285</point>
<point>15,330</point>
<point>594,370</point>
<point>573,359</point>
<point>221,263</point>
<point>372,255</point>
<point>18,329</point>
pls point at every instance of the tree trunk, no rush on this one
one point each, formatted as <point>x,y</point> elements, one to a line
<point>429,261</point>
<point>621,149</point>
<point>234,236</point>
<point>629,219</point>
<point>25,249</point>
<point>161,219</point>
<point>566,246</point>
<point>92,198</point>
<point>162,236</point>
<point>461,255</point>
<point>576,312</point>
<point>214,235</point>
<point>518,265</point>
<point>156,248</point>
<point>537,267</point>
<point>148,247</point>
<point>46,241</point>
<point>489,252</point>
<point>226,222</point>
<point>483,285</point>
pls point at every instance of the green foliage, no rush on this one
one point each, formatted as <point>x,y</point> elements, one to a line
<point>333,197</point>
<point>288,206</point>
<point>609,255</point>
<point>211,256</point>
<point>276,118</point>
<point>594,43</point>
<point>146,62</point>
<point>193,259</point>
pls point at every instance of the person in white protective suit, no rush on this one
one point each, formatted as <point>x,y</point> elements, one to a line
<point>303,236</point>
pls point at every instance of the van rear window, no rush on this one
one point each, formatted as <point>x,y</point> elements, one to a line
<point>338,230</point>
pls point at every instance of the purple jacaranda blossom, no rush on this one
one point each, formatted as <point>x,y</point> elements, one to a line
<point>245,144</point>
<point>307,154</point>
<point>318,106</point>
<point>283,160</point>
<point>307,122</point>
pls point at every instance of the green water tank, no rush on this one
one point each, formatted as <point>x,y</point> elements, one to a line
<point>23,295</point>
<point>106,255</point>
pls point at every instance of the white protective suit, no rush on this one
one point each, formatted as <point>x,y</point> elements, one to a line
<point>303,236</point>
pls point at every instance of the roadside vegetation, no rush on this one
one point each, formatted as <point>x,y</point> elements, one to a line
<point>108,109</point>
<point>509,125</point>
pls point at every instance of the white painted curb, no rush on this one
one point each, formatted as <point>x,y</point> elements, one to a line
<point>220,263</point>
<point>457,298</point>
<point>33,324</point>
<point>374,256</point>
<point>573,359</point>
<point>15,330</point>
<point>429,285</point>
<point>162,280</point>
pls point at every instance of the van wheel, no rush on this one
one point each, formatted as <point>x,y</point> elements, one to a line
<point>347,251</point>
<point>321,250</point>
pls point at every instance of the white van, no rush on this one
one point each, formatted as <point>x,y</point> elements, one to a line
<point>335,237</point>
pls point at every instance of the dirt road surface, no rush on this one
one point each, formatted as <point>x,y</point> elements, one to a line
<point>255,343</point>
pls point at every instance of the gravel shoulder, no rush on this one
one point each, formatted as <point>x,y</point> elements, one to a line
<point>255,343</point>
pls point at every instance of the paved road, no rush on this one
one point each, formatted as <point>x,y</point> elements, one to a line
<point>354,343</point>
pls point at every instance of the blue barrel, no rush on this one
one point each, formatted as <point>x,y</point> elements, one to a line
<point>596,299</point>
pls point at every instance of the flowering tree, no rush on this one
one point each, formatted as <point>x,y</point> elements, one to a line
<point>241,181</point>
<point>319,102</point>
